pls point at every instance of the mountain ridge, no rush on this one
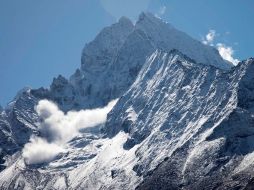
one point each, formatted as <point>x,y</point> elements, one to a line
<point>84,84</point>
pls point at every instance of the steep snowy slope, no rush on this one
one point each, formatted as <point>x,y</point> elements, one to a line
<point>191,125</point>
<point>181,125</point>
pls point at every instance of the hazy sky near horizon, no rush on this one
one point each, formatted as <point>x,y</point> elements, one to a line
<point>42,39</point>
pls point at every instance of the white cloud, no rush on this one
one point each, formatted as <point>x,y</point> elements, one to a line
<point>226,53</point>
<point>209,38</point>
<point>58,128</point>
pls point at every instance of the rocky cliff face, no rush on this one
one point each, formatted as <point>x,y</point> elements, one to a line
<point>184,118</point>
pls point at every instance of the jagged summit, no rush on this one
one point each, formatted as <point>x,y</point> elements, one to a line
<point>161,34</point>
<point>111,62</point>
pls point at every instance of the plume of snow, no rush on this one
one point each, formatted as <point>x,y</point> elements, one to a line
<point>40,151</point>
<point>225,51</point>
<point>57,128</point>
<point>209,38</point>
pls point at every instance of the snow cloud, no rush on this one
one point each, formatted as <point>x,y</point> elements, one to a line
<point>226,52</point>
<point>40,151</point>
<point>57,128</point>
<point>209,38</point>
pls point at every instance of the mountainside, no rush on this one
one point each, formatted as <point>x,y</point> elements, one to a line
<point>184,118</point>
<point>193,124</point>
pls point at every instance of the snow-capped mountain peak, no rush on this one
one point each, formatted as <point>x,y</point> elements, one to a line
<point>111,62</point>
<point>183,119</point>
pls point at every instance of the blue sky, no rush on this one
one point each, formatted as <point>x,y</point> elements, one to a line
<point>41,39</point>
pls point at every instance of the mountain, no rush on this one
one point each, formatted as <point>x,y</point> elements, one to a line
<point>183,120</point>
<point>111,62</point>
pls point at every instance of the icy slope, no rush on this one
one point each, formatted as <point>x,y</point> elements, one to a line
<point>181,124</point>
